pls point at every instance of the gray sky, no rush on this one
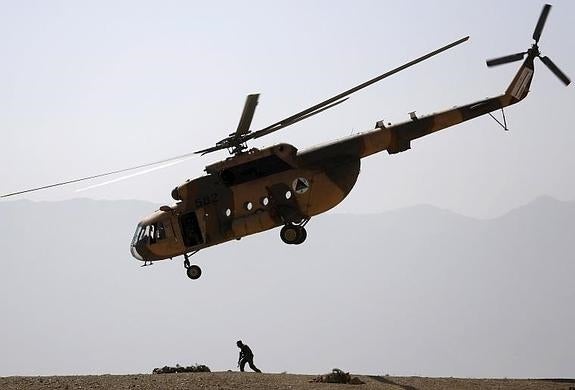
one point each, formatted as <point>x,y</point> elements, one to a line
<point>89,87</point>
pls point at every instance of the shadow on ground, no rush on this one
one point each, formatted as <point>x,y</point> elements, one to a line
<point>558,380</point>
<point>385,380</point>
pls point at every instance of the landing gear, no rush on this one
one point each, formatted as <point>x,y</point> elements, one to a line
<point>293,234</point>
<point>193,271</point>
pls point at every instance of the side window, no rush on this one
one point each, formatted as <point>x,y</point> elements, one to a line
<point>161,232</point>
<point>152,233</point>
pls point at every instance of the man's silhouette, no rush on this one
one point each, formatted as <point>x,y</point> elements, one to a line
<point>246,356</point>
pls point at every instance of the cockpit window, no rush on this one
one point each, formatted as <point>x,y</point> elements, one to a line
<point>137,234</point>
<point>152,233</point>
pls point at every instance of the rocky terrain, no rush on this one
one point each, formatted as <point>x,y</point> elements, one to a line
<point>252,381</point>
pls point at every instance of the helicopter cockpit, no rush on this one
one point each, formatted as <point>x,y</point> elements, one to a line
<point>146,234</point>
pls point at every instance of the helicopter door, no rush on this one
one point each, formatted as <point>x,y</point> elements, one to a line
<point>191,232</point>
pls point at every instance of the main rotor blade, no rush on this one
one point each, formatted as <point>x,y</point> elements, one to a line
<point>541,22</point>
<point>95,176</point>
<point>211,149</point>
<point>247,114</point>
<point>553,68</point>
<point>122,178</point>
<point>261,133</point>
<point>506,59</point>
<point>285,122</point>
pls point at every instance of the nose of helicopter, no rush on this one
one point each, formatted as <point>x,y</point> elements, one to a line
<point>135,253</point>
<point>137,245</point>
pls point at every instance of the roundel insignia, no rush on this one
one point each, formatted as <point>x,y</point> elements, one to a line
<point>300,185</point>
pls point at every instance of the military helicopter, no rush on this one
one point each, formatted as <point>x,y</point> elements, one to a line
<point>260,189</point>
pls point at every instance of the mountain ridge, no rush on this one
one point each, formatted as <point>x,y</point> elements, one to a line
<point>543,200</point>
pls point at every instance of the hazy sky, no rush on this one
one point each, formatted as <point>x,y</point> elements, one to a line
<point>418,291</point>
<point>88,87</point>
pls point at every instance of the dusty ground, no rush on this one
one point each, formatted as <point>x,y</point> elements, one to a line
<point>252,381</point>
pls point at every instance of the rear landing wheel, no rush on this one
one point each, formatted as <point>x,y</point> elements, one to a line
<point>288,234</point>
<point>292,234</point>
<point>194,272</point>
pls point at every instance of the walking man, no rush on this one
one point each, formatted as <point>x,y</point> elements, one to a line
<point>246,356</point>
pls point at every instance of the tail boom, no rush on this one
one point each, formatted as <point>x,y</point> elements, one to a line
<point>397,138</point>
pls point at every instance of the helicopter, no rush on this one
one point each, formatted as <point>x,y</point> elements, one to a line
<point>255,190</point>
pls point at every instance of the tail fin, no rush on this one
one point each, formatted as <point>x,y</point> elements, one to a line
<point>519,87</point>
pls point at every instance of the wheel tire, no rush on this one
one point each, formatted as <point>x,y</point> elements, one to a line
<point>289,234</point>
<point>194,272</point>
<point>301,235</point>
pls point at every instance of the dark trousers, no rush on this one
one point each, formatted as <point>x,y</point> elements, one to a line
<point>250,361</point>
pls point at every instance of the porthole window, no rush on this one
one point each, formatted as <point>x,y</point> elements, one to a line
<point>288,194</point>
<point>265,201</point>
<point>228,212</point>
<point>248,206</point>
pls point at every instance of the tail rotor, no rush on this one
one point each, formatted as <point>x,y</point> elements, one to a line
<point>534,50</point>
<point>541,22</point>
<point>506,59</point>
<point>556,71</point>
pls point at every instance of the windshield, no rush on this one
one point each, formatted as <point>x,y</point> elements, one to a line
<point>137,235</point>
<point>146,237</point>
<point>151,233</point>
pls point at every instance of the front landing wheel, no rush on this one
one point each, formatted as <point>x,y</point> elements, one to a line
<point>194,272</point>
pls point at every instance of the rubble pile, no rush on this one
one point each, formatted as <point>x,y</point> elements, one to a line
<point>178,369</point>
<point>338,376</point>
